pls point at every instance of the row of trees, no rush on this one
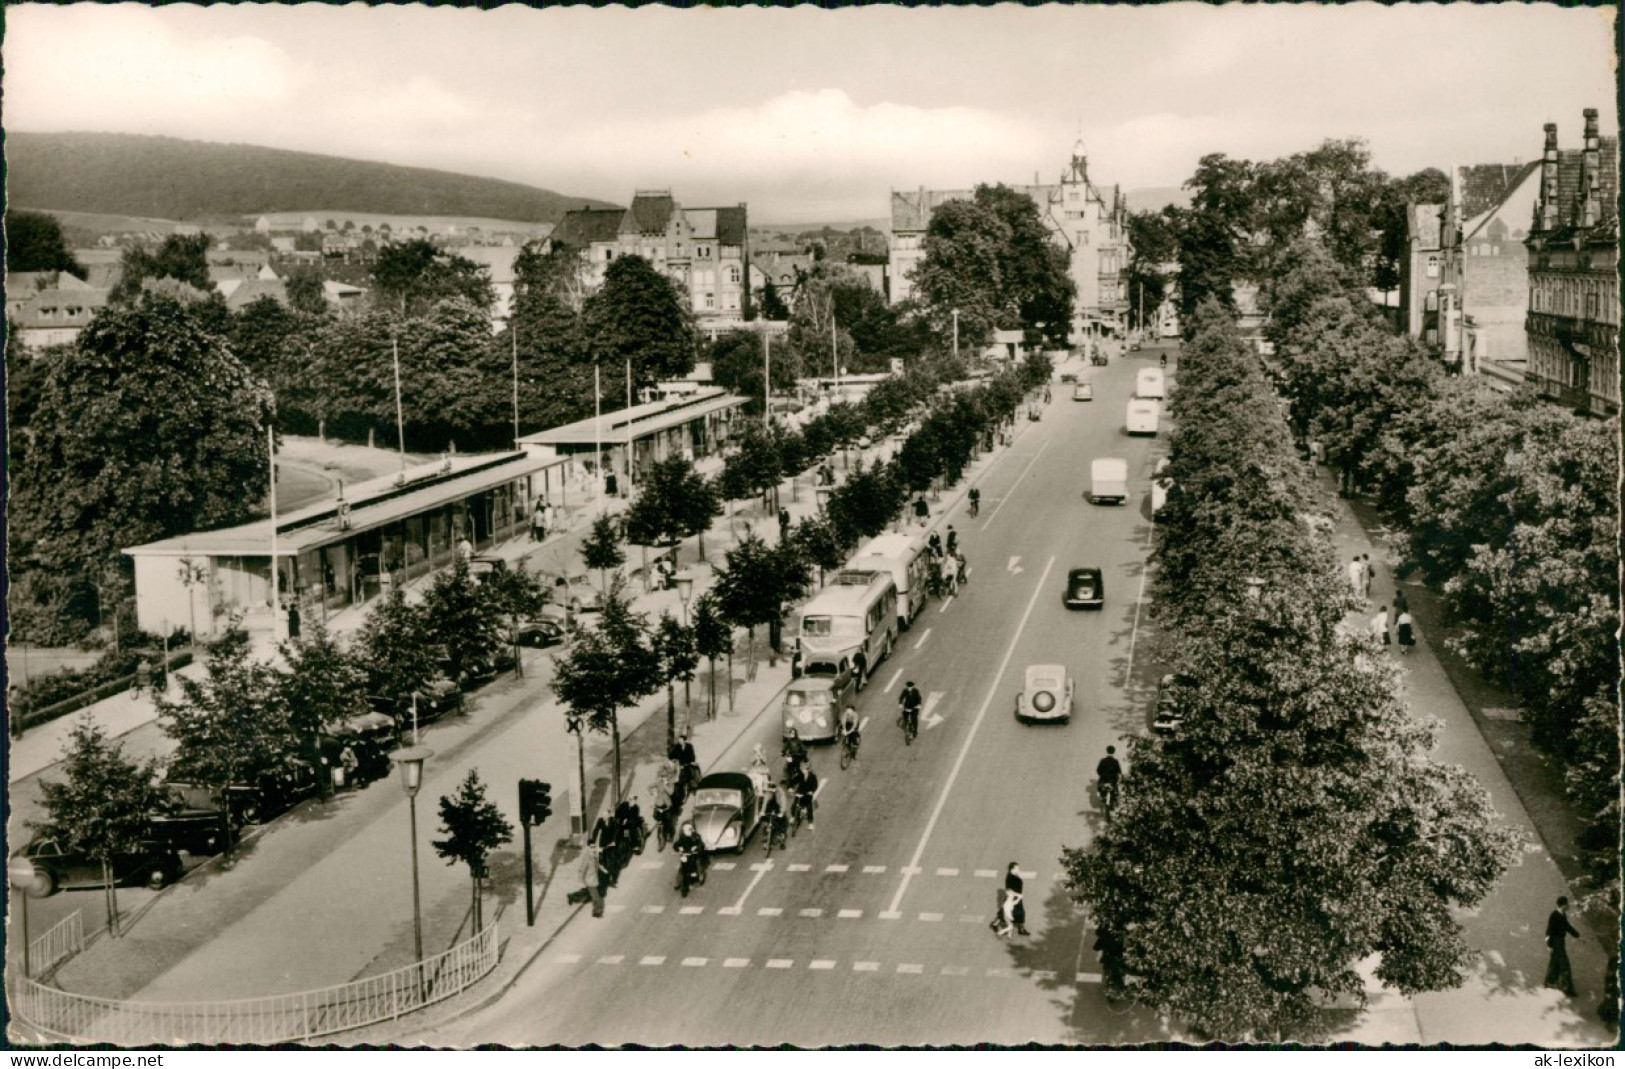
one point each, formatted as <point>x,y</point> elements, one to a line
<point>1295,823</point>
<point>1506,507</point>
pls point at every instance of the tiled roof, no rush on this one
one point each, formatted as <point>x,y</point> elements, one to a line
<point>1484,185</point>
<point>911,210</point>
<point>61,308</point>
<point>650,213</point>
<point>732,225</point>
<point>703,221</point>
<point>584,226</point>
<point>1570,165</point>
<point>250,290</point>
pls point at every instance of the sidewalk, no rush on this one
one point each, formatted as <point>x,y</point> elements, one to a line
<point>1503,999</point>
<point>321,896</point>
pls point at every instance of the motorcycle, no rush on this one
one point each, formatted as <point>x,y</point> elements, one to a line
<point>690,872</point>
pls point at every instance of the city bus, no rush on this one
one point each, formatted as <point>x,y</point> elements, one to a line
<point>1142,416</point>
<point>906,558</point>
<point>857,622</point>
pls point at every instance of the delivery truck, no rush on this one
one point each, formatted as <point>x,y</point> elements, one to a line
<point>1108,482</point>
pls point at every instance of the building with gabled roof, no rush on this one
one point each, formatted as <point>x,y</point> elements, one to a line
<point>1088,221</point>
<point>1573,321</point>
<point>55,315</point>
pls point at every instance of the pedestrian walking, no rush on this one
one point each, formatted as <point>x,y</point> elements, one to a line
<point>1379,627</point>
<point>922,511</point>
<point>1018,910</point>
<point>1406,628</point>
<point>1559,973</point>
<point>538,522</point>
<point>465,549</point>
<point>784,523</point>
<point>1357,576</point>
<point>1401,602</point>
<point>592,881</point>
<point>795,660</point>
<point>959,569</point>
<point>143,678</point>
<point>1370,575</point>
<point>294,621</point>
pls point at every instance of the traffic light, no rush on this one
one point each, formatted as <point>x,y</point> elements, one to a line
<point>535,801</point>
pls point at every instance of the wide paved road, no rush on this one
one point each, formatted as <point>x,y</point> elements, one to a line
<point>873,927</point>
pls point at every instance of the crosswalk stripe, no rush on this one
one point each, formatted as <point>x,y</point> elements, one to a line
<point>612,959</point>
<point>930,916</point>
<point>970,918</point>
<point>736,963</point>
<point>889,915</point>
<point>691,911</point>
<point>761,866</point>
<point>569,959</point>
<point>729,911</point>
<point>947,872</point>
<point>652,959</point>
<point>813,912</point>
<point>955,970</point>
<point>769,911</point>
<point>986,874</point>
<point>914,969</point>
<point>821,963</point>
<point>800,868</point>
<point>866,966</point>
<point>724,866</point>
<point>835,868</point>
<point>652,909</point>
<point>779,963</point>
<point>871,870</point>
<point>694,963</point>
<point>616,907</point>
<point>850,914</point>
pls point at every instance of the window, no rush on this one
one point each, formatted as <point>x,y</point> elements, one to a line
<point>703,252</point>
<point>710,300</point>
<point>1433,267</point>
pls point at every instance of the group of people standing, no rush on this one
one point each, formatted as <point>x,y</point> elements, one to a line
<point>1386,628</point>
<point>947,561</point>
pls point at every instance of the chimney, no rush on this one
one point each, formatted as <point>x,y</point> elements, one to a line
<point>1548,180</point>
<point>1591,172</point>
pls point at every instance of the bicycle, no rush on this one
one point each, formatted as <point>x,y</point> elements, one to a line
<point>775,834</point>
<point>795,816</point>
<point>1108,797</point>
<point>849,749</point>
<point>910,723</point>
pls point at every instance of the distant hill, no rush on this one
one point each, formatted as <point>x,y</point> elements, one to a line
<point>1155,198</point>
<point>168,178</point>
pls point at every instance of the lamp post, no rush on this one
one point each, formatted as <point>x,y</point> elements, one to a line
<point>24,879</point>
<point>685,590</point>
<point>410,761</point>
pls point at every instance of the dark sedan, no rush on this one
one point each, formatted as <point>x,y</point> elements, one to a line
<point>1085,589</point>
<point>60,869</point>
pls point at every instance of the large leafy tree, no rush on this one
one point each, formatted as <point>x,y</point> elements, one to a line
<point>960,272</point>
<point>148,428</point>
<point>466,625</point>
<point>756,583</point>
<point>862,506</point>
<point>179,257</point>
<point>601,549</point>
<point>473,827</point>
<point>739,362</point>
<point>396,648</point>
<point>1033,269</point>
<point>639,316</point>
<point>409,277</point>
<point>544,335</point>
<point>99,808</point>
<point>322,685</point>
<point>1153,242</point>
<point>713,638</point>
<point>754,467</point>
<point>34,242</point>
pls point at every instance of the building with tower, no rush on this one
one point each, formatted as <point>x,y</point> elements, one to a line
<point>1572,326</point>
<point>1089,221</point>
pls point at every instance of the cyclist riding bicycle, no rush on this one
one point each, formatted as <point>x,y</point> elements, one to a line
<point>773,815</point>
<point>953,540</point>
<point>911,702</point>
<point>849,727</point>
<point>805,792</point>
<point>975,500</point>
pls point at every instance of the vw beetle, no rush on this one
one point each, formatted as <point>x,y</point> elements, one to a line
<point>727,808</point>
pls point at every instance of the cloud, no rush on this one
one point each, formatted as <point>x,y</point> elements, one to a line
<point>124,68</point>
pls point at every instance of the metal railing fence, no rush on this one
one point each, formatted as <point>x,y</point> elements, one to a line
<point>63,1015</point>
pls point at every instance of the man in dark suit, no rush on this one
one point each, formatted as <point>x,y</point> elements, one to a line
<point>1013,882</point>
<point>1559,973</point>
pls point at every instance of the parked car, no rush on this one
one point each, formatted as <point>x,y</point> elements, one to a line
<point>264,798</point>
<point>1085,589</point>
<point>371,736</point>
<point>180,825</point>
<point>727,808</point>
<point>434,700</point>
<point>59,869</point>
<point>542,631</point>
<point>481,566</point>
<point>579,593</point>
<point>1169,715</point>
<point>813,703</point>
<point>1046,696</point>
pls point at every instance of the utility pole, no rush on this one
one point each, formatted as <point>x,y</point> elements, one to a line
<point>400,423</point>
<point>513,334</point>
<point>767,378</point>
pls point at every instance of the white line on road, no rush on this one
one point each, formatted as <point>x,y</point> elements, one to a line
<point>947,601</point>
<point>892,682</point>
<point>1014,567</point>
<point>986,873</point>
<point>835,868</point>
<point>871,870</point>
<point>762,870</point>
<point>769,911</point>
<point>1139,600</point>
<point>653,909</point>
<point>923,637</point>
<point>947,872</point>
<point>929,717</point>
<point>914,969</point>
<point>812,911</point>
<point>849,914</point>
<point>800,868</point>
<point>779,963</point>
<point>652,959</point>
<point>866,966</point>
<point>930,916</point>
<point>736,963</point>
<point>1005,500</point>
<point>691,911</point>
<point>970,737</point>
<point>821,963</point>
<point>696,963</point>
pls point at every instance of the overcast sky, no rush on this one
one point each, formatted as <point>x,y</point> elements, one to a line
<point>812,115</point>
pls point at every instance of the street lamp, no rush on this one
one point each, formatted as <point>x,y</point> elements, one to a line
<point>410,761</point>
<point>685,590</point>
<point>24,879</point>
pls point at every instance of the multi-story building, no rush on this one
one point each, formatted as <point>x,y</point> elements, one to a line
<point>1420,270</point>
<point>705,250</point>
<point>1573,248</point>
<point>1090,222</point>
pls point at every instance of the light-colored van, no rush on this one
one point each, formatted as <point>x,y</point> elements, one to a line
<point>857,622</point>
<point>1108,481</point>
<point>906,558</point>
<point>1142,416</point>
<point>1149,383</point>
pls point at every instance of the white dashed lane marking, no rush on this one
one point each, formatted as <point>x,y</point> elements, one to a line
<point>906,968</point>
<point>696,963</point>
<point>947,872</point>
<point>736,963</point>
<point>850,914</point>
<point>911,969</point>
<point>769,911</point>
<point>872,870</point>
<point>652,959</point>
<point>691,911</point>
<point>866,966</point>
<point>822,963</point>
<point>835,868</point>
<point>813,912</point>
<point>779,963</point>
